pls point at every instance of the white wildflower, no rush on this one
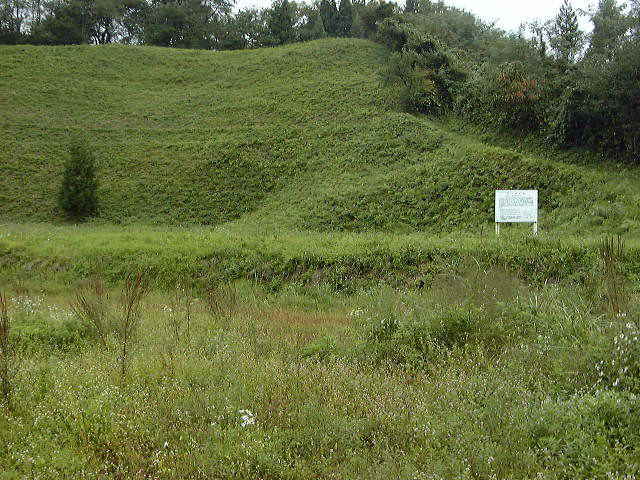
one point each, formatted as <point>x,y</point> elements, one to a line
<point>246,418</point>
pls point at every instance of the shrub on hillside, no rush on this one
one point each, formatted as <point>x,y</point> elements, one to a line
<point>426,72</point>
<point>506,95</point>
<point>78,193</point>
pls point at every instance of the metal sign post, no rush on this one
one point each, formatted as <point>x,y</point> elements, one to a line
<point>516,206</point>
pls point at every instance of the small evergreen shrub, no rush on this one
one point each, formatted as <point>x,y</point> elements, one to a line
<point>78,192</point>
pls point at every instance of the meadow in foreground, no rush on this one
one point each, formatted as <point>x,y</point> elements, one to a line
<point>474,376</point>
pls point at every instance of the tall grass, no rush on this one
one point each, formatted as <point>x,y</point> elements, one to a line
<point>470,378</point>
<point>178,326</point>
<point>91,306</point>
<point>612,250</point>
<point>7,351</point>
<point>133,292</point>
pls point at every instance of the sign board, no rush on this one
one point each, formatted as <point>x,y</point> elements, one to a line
<point>516,206</point>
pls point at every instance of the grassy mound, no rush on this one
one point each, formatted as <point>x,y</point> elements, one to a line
<point>298,137</point>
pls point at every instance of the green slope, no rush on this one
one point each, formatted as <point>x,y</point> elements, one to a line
<point>298,137</point>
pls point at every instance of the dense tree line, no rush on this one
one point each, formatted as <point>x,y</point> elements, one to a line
<point>206,24</point>
<point>571,87</point>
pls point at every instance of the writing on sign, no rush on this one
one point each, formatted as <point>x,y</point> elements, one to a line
<point>516,206</point>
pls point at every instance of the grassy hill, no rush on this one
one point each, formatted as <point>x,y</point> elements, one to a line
<point>299,137</point>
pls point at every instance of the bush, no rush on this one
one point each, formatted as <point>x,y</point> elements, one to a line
<point>78,192</point>
<point>506,95</point>
<point>423,68</point>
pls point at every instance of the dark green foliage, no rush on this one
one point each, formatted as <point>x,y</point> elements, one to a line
<point>505,95</point>
<point>317,28</point>
<point>599,103</point>
<point>634,18</point>
<point>12,22</point>
<point>280,22</point>
<point>246,29</point>
<point>178,24</point>
<point>455,28</point>
<point>78,193</point>
<point>310,23</point>
<point>610,25</point>
<point>67,24</point>
<point>371,14</point>
<point>425,71</point>
<point>345,18</point>
<point>515,84</point>
<point>330,17</point>
<point>411,6</point>
<point>84,21</point>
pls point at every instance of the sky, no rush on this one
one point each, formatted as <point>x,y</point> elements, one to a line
<point>508,14</point>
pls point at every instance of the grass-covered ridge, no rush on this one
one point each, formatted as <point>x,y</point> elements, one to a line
<point>296,137</point>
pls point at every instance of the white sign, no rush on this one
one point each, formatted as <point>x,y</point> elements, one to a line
<point>516,206</point>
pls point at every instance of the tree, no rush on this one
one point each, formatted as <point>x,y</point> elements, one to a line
<point>13,16</point>
<point>184,23</point>
<point>281,22</point>
<point>610,25</point>
<point>565,37</point>
<point>245,29</point>
<point>345,18</point>
<point>329,15</point>
<point>539,42</point>
<point>78,192</point>
<point>313,27</point>
<point>635,18</point>
<point>411,6</point>
<point>318,30</point>
<point>65,24</point>
<point>372,13</point>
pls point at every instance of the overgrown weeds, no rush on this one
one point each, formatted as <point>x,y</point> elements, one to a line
<point>221,299</point>
<point>177,329</point>
<point>7,352</point>
<point>134,291</point>
<point>281,388</point>
<point>614,282</point>
<point>91,306</point>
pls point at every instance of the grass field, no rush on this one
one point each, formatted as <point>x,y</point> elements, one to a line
<point>291,279</point>
<point>479,376</point>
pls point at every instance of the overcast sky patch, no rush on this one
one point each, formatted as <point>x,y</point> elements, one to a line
<point>507,14</point>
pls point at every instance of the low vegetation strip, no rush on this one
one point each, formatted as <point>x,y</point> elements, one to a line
<point>201,256</point>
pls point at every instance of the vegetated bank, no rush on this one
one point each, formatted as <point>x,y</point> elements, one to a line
<point>344,262</point>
